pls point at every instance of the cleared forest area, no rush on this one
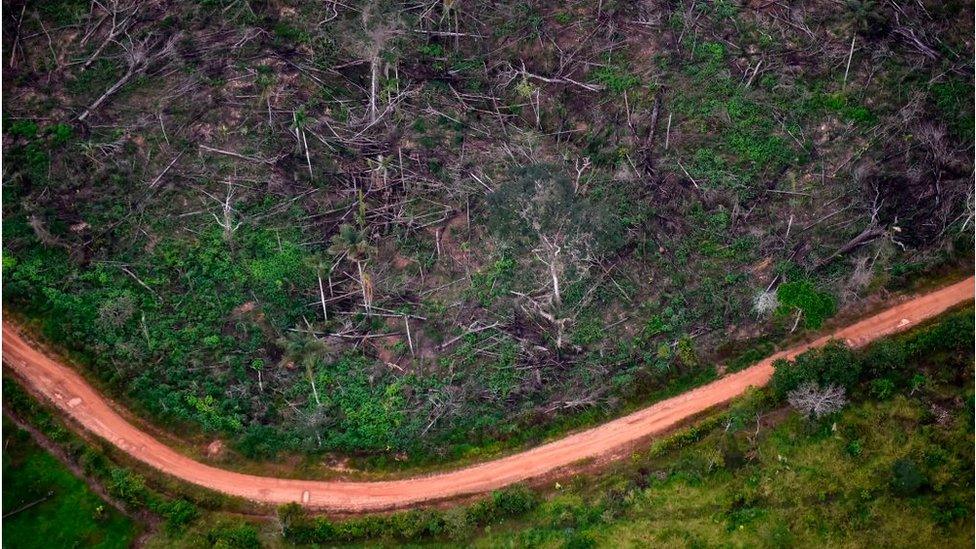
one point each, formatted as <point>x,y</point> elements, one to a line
<point>424,231</point>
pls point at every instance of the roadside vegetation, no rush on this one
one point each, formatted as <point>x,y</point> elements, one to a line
<point>891,461</point>
<point>893,465</point>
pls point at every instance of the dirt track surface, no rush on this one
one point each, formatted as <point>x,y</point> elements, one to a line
<point>77,399</point>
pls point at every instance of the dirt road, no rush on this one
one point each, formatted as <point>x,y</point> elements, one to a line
<point>76,398</point>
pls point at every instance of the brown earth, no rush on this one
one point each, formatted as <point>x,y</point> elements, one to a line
<point>77,399</point>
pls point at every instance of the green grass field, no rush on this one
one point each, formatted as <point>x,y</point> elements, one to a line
<point>73,516</point>
<point>805,486</point>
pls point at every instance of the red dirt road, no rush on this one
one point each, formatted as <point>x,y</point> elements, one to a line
<point>77,399</point>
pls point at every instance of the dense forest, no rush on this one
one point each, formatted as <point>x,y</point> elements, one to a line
<point>424,230</point>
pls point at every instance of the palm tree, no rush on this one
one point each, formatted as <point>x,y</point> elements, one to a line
<point>322,267</point>
<point>302,347</point>
<point>354,244</point>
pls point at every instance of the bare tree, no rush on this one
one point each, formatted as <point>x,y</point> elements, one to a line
<point>765,302</point>
<point>547,217</point>
<point>815,401</point>
<point>378,31</point>
<point>226,219</point>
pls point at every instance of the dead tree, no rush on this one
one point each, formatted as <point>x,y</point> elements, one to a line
<point>564,250</point>
<point>121,16</point>
<point>377,34</point>
<point>139,56</point>
<point>815,401</point>
<point>226,219</point>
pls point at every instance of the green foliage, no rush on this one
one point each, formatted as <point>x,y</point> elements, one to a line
<point>26,129</point>
<point>234,535</point>
<point>179,514</point>
<point>735,138</point>
<point>656,325</point>
<point>285,34</point>
<point>563,17</point>
<point>95,79</point>
<point>954,99</point>
<point>801,295</point>
<point>615,78</point>
<point>842,104</point>
<point>833,364</point>
<point>370,411</point>
<point>906,478</point>
<point>751,137</point>
<point>686,353</point>
<point>60,134</point>
<point>454,524</point>
<point>64,12</point>
<point>588,331</point>
<point>869,18</point>
<point>432,50</point>
<point>352,243</point>
<point>751,356</point>
<point>496,281</point>
<point>69,515</point>
<point>882,388</point>
<point>127,486</point>
<point>885,357</point>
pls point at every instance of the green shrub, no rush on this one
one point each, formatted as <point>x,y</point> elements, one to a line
<point>238,535</point>
<point>906,478</point>
<point>833,364</point>
<point>615,79</point>
<point>882,388</point>
<point>885,357</point>
<point>127,486</point>
<point>179,514</point>
<point>580,540</point>
<point>802,295</point>
<point>952,334</point>
<point>414,525</point>
<point>457,524</point>
<point>954,98</point>
<point>22,128</point>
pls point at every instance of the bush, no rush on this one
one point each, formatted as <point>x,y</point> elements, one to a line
<point>127,486</point>
<point>179,513</point>
<point>906,478</point>
<point>504,503</point>
<point>882,388</point>
<point>833,364</point>
<point>580,541</point>
<point>953,333</point>
<point>815,306</point>
<point>295,525</point>
<point>234,536</point>
<point>513,501</point>
<point>885,357</point>
<point>457,524</point>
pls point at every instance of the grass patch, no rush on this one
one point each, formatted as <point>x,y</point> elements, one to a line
<point>70,516</point>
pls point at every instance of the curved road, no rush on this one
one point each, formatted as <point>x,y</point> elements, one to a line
<point>77,399</point>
